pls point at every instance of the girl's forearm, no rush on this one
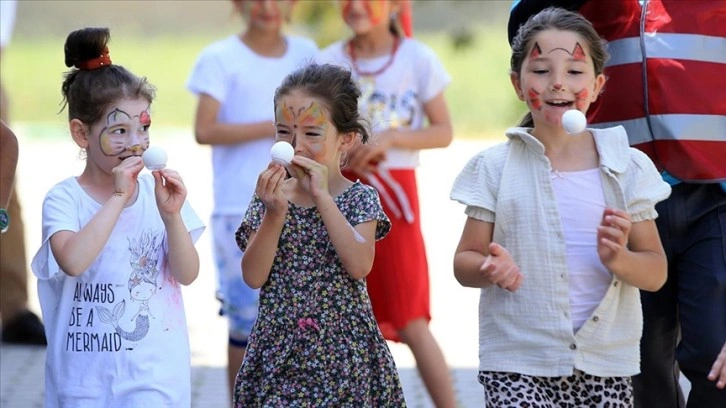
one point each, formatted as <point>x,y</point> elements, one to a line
<point>76,253</point>
<point>260,254</point>
<point>467,271</point>
<point>646,270</point>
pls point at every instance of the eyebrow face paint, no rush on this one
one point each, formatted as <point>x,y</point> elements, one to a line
<point>302,124</point>
<point>310,116</point>
<point>536,52</point>
<point>578,53</point>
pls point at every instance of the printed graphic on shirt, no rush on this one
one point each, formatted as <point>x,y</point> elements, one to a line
<point>128,327</point>
<point>387,110</point>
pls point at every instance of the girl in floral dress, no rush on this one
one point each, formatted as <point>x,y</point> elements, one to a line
<point>309,242</point>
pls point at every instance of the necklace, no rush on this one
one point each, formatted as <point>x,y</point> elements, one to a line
<point>354,59</point>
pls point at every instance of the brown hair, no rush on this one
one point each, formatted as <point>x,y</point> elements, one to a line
<point>337,91</point>
<point>89,92</point>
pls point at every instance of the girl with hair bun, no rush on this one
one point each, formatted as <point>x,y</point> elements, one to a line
<point>117,246</point>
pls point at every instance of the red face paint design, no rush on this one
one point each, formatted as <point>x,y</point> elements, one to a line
<point>145,119</point>
<point>536,52</point>
<point>374,8</point>
<point>578,53</point>
<point>534,99</point>
<point>582,99</point>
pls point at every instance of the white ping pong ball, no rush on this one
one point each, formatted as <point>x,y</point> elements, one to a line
<point>282,153</point>
<point>574,121</point>
<point>154,158</point>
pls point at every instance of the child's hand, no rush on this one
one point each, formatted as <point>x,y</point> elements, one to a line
<point>500,269</point>
<point>718,371</point>
<point>125,175</point>
<point>269,189</point>
<point>169,190</point>
<point>313,177</point>
<point>612,236</point>
<point>363,159</point>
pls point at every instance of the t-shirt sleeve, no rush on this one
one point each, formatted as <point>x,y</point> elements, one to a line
<point>59,208</point>
<point>365,207</point>
<point>477,186</point>
<point>208,76</point>
<point>194,224</point>
<point>646,189</point>
<point>432,74</point>
<point>250,223</point>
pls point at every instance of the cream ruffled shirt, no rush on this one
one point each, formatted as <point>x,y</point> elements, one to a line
<point>530,331</point>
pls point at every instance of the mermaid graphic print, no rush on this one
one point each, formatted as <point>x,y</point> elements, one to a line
<point>142,285</point>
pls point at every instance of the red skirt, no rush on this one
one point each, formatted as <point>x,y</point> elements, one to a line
<point>398,284</point>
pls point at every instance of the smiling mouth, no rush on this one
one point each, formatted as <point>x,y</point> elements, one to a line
<point>559,103</point>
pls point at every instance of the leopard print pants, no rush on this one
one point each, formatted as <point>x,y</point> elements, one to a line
<point>511,390</point>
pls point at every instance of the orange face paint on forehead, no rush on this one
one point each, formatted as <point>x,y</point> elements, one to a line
<point>303,116</point>
<point>374,8</point>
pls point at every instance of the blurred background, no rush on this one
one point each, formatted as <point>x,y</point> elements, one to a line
<point>161,40</point>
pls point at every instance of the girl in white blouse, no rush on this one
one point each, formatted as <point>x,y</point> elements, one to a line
<point>560,234</point>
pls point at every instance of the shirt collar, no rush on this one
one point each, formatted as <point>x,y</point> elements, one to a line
<point>611,143</point>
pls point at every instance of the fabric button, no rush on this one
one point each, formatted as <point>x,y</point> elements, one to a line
<point>573,346</point>
<point>615,283</point>
<point>595,319</point>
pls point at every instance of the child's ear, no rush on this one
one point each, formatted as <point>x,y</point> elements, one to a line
<point>599,84</point>
<point>79,132</point>
<point>348,140</point>
<point>517,84</point>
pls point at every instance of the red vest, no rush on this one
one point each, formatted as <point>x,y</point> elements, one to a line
<point>673,103</point>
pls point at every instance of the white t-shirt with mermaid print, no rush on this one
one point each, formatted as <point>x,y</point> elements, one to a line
<point>117,334</point>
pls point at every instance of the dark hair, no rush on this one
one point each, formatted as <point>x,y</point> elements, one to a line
<point>554,18</point>
<point>335,88</point>
<point>89,92</point>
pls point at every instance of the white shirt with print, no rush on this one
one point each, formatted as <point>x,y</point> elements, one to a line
<point>117,334</point>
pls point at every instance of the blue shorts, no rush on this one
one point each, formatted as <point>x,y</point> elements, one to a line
<point>239,301</point>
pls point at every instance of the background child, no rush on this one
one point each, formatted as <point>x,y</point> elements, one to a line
<point>403,85</point>
<point>309,243</point>
<point>235,78</point>
<point>560,234</point>
<point>116,247</point>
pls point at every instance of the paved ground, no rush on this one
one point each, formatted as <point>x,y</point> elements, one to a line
<point>454,308</point>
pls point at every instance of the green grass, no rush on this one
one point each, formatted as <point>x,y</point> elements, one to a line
<point>481,100</point>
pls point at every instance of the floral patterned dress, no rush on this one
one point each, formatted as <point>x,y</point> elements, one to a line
<point>316,342</point>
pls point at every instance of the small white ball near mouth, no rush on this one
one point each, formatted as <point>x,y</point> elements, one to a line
<point>154,158</point>
<point>574,121</point>
<point>282,153</point>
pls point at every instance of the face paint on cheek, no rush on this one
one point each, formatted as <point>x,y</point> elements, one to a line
<point>581,99</point>
<point>534,101</point>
